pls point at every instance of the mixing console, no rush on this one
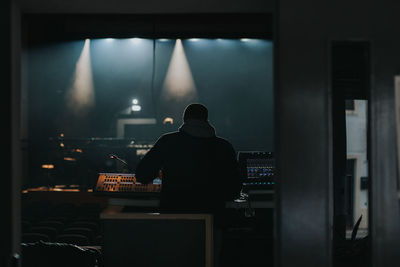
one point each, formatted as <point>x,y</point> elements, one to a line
<point>123,182</point>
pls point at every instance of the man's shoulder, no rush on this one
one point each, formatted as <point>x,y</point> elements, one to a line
<point>168,136</point>
<point>223,142</point>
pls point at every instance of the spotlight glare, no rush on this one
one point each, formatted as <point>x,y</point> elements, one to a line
<point>168,120</point>
<point>179,84</point>
<point>80,95</point>
<point>163,40</point>
<point>135,101</point>
<point>135,40</point>
<point>136,108</point>
<point>245,40</point>
<point>108,40</point>
<point>47,166</point>
<point>194,39</point>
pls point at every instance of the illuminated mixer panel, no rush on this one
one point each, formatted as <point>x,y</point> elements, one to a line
<point>123,183</point>
<point>257,169</point>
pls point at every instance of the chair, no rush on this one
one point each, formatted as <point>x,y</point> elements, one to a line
<point>49,231</point>
<point>74,239</point>
<point>49,254</point>
<point>54,224</point>
<point>80,231</point>
<point>93,217</point>
<point>85,224</point>
<point>34,237</point>
<point>58,219</point>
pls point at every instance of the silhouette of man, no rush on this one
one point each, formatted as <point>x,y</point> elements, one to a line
<point>200,170</point>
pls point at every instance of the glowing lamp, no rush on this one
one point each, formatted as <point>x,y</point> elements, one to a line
<point>136,108</point>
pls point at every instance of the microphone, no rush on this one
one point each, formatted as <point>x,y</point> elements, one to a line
<point>113,156</point>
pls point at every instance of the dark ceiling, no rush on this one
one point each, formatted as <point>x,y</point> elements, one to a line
<point>47,28</point>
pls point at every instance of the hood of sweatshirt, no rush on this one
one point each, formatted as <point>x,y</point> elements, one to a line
<point>198,128</point>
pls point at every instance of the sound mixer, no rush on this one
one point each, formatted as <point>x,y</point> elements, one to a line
<point>122,182</point>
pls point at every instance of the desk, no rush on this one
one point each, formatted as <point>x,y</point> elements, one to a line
<point>148,203</point>
<point>153,239</point>
<point>79,197</point>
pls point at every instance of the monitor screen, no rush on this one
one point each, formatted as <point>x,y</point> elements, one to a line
<point>257,168</point>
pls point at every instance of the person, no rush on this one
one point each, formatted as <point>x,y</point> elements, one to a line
<point>199,170</point>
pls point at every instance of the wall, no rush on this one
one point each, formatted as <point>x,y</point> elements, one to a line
<point>385,204</point>
<point>6,198</point>
<point>10,112</point>
<point>304,205</point>
<point>303,99</point>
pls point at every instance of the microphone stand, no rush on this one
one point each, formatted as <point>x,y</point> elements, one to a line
<point>113,156</point>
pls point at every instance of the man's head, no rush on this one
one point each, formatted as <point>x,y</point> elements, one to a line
<point>195,112</point>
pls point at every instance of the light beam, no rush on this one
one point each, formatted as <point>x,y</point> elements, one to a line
<point>179,85</point>
<point>80,96</point>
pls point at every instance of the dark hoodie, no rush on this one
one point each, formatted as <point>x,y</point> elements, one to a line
<point>200,171</point>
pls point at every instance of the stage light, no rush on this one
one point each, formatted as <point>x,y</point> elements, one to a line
<point>80,96</point>
<point>194,39</point>
<point>47,166</point>
<point>135,101</point>
<point>136,108</point>
<point>168,120</point>
<point>108,40</point>
<point>141,152</point>
<point>245,40</point>
<point>135,40</point>
<point>179,85</point>
<point>163,40</point>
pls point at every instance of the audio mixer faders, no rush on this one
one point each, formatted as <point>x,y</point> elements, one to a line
<point>123,182</point>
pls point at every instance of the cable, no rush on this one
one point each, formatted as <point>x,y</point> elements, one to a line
<point>153,78</point>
